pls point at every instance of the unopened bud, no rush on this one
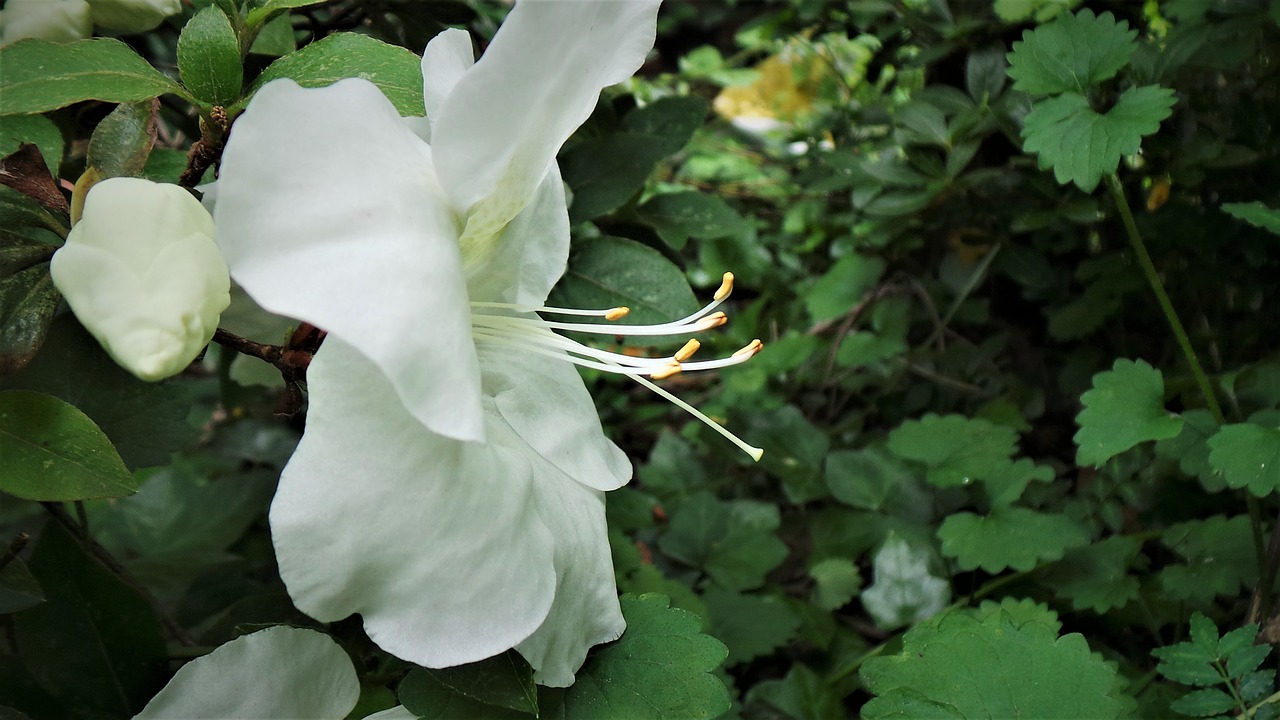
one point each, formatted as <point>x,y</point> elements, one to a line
<point>132,16</point>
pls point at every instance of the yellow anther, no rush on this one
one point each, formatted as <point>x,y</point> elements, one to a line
<point>751,348</point>
<point>714,320</point>
<point>617,313</point>
<point>666,372</point>
<point>688,350</point>
<point>726,286</point>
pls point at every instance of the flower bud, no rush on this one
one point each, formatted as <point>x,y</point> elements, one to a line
<point>141,272</point>
<point>53,20</point>
<point>133,16</point>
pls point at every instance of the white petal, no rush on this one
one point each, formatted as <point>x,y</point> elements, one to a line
<point>328,211</point>
<point>546,404</point>
<point>585,611</point>
<point>506,119</point>
<point>447,58</point>
<point>280,672</point>
<point>396,713</point>
<point>434,541</point>
<point>530,254</point>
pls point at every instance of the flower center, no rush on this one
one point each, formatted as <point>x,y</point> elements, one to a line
<point>518,326</point>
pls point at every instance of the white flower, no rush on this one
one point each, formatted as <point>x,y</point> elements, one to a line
<point>53,20</point>
<point>132,16</point>
<point>449,484</point>
<point>279,672</point>
<point>142,273</point>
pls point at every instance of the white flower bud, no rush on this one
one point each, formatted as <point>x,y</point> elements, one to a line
<point>133,16</point>
<point>141,272</point>
<point>53,20</point>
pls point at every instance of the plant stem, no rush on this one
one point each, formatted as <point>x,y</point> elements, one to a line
<point>1266,565</point>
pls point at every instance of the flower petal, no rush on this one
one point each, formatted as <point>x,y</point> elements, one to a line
<point>529,255</point>
<point>546,404</point>
<point>447,58</point>
<point>280,672</point>
<point>328,211</point>
<point>538,80</point>
<point>434,541</point>
<point>585,611</point>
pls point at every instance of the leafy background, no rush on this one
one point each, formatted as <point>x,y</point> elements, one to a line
<point>997,481</point>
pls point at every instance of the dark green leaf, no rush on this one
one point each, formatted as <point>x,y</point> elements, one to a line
<point>842,287</point>
<point>123,140</point>
<point>1010,537</point>
<point>52,451</point>
<point>1247,455</point>
<point>209,57</point>
<point>956,449</point>
<point>1124,408</point>
<point>396,71</point>
<point>1071,54</point>
<point>733,542</point>
<point>1220,558</point>
<point>605,172</point>
<point>1096,577</point>
<point>28,301</point>
<point>269,8</point>
<point>1256,214</point>
<point>801,694</point>
<point>679,216</point>
<point>1203,703</point>
<point>502,686</point>
<point>19,211</point>
<point>38,129</point>
<point>18,588</point>
<point>1246,660</point>
<point>750,625</point>
<point>609,272</point>
<point>793,449</point>
<point>40,76</point>
<point>670,119</point>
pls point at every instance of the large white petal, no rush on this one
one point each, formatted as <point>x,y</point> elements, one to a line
<point>329,211</point>
<point>530,254</point>
<point>545,403</point>
<point>506,119</point>
<point>447,58</point>
<point>435,542</point>
<point>585,611</point>
<point>280,672</point>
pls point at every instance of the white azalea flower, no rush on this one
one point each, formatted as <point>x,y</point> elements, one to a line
<point>142,274</point>
<point>52,20</point>
<point>449,487</point>
<point>132,16</point>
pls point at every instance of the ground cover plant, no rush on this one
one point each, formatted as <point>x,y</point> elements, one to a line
<point>1011,447</point>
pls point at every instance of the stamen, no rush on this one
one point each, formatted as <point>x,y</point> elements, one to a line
<point>714,320</point>
<point>751,349</point>
<point>755,452</point>
<point>687,351</point>
<point>672,369</point>
<point>726,287</point>
<point>617,313</point>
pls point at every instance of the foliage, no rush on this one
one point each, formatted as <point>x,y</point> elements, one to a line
<point>1020,406</point>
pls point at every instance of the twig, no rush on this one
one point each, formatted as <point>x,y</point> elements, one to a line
<point>15,547</point>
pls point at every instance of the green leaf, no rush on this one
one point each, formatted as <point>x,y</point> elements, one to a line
<point>842,287</point>
<point>905,591</point>
<point>1096,577</point>
<point>603,173</point>
<point>660,668</point>
<point>1203,703</point>
<point>1071,54</point>
<point>19,211</point>
<point>1220,559</point>
<point>801,694</point>
<point>499,687</point>
<point>1247,455</point>
<point>396,71</point>
<point>1256,214</point>
<point>793,449</point>
<point>1006,487</point>
<point>992,668</point>
<point>1125,407</point>
<point>837,582</point>
<point>209,57</point>
<point>751,626</point>
<point>1010,537</point>
<point>608,271</point>
<point>95,643</point>
<point>270,8</point>
<point>1082,145</point>
<point>145,421</point>
<point>1012,11</point>
<point>28,301</point>
<point>122,142</point>
<point>1187,663</point>
<point>679,216</point>
<point>51,451</point>
<point>38,129</point>
<point>733,542</point>
<point>1246,660</point>
<point>40,76</point>
<point>672,120</point>
<point>1190,448</point>
<point>19,589</point>
<point>957,450</point>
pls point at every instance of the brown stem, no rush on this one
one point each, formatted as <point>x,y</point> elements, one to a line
<point>15,547</point>
<point>105,557</point>
<point>207,150</point>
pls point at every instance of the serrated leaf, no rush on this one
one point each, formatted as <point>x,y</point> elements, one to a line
<point>1125,407</point>
<point>1203,703</point>
<point>1190,447</point>
<point>1187,663</point>
<point>1071,53</point>
<point>1011,537</point>
<point>50,451</point>
<point>733,542</point>
<point>1082,145</point>
<point>1247,455</point>
<point>904,591</point>
<point>1246,660</point>
<point>801,694</point>
<point>1038,10</point>
<point>992,668</point>
<point>869,479</point>
<point>679,216</point>
<point>19,589</point>
<point>1238,639</point>
<point>660,668</point>
<point>1256,214</point>
<point>1258,685</point>
<point>1020,612</point>
<point>1220,558</point>
<point>610,271</point>
<point>122,142</point>
<point>28,301</point>
<point>751,626</point>
<point>1006,487</point>
<point>209,57</point>
<point>957,450</point>
<point>793,449</point>
<point>396,71</point>
<point>1204,633</point>
<point>499,687</point>
<point>40,76</point>
<point>1096,577</point>
<point>837,582</point>
<point>841,287</point>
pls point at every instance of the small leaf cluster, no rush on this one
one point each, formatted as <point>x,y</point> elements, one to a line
<point>1230,661</point>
